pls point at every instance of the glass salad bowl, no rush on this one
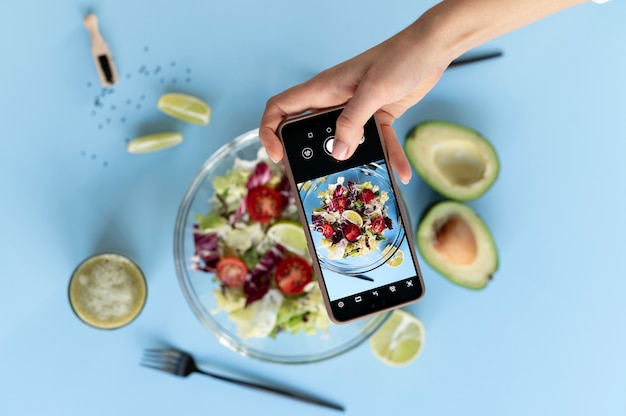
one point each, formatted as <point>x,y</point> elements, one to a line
<point>208,296</point>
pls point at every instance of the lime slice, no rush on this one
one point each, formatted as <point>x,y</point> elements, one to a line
<point>185,107</point>
<point>399,340</point>
<point>353,217</point>
<point>289,235</point>
<point>396,260</point>
<point>154,142</point>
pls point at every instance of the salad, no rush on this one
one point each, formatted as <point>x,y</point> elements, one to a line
<point>352,218</point>
<point>266,282</point>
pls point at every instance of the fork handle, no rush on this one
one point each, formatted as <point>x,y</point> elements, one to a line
<point>291,394</point>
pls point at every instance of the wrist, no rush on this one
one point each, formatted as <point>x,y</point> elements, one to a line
<point>436,39</point>
<point>447,33</point>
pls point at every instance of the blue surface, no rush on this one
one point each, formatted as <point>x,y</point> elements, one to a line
<point>545,338</point>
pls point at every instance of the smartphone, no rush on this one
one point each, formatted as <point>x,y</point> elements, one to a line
<point>362,252</point>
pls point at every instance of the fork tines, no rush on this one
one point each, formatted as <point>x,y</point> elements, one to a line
<point>167,360</point>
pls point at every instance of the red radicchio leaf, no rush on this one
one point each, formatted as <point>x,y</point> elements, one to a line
<point>206,250</point>
<point>389,223</point>
<point>261,175</point>
<point>353,192</point>
<point>284,188</point>
<point>338,191</point>
<point>258,280</point>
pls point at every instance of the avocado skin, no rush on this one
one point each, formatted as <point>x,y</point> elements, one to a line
<point>437,186</point>
<point>478,227</point>
<point>427,209</point>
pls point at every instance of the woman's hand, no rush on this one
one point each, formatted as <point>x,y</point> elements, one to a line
<point>386,80</point>
<point>391,77</point>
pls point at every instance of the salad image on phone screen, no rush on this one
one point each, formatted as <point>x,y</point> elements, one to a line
<point>353,218</point>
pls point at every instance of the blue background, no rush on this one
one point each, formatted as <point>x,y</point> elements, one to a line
<point>545,337</point>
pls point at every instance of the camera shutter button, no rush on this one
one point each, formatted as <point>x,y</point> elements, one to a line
<point>328,145</point>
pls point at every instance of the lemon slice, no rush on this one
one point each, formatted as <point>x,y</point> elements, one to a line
<point>396,260</point>
<point>289,235</point>
<point>400,340</point>
<point>185,107</point>
<point>154,142</point>
<point>353,217</point>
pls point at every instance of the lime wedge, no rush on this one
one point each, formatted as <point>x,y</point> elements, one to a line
<point>185,107</point>
<point>154,142</point>
<point>396,260</point>
<point>400,340</point>
<point>353,217</point>
<point>289,235</point>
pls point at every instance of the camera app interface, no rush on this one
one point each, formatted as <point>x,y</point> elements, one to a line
<point>353,219</point>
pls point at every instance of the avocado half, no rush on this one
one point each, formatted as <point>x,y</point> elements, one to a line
<point>457,243</point>
<point>455,160</point>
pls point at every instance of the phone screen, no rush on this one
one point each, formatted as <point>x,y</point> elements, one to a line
<point>354,219</point>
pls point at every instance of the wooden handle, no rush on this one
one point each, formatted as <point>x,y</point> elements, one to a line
<point>100,51</point>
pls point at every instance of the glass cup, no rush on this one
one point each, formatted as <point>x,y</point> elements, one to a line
<point>107,291</point>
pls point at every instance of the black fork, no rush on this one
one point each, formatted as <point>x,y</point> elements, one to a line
<point>181,364</point>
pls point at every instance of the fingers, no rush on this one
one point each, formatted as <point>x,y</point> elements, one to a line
<point>271,119</point>
<point>309,96</point>
<point>296,100</point>
<point>397,158</point>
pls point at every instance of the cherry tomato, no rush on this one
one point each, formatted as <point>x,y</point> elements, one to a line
<point>366,195</point>
<point>292,275</point>
<point>232,271</point>
<point>378,225</point>
<point>327,230</point>
<point>352,232</point>
<point>264,203</point>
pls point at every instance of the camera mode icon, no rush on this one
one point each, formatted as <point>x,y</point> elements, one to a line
<point>307,153</point>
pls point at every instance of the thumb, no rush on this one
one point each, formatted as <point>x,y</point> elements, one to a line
<point>359,109</point>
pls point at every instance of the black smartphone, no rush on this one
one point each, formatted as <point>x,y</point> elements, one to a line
<point>362,252</point>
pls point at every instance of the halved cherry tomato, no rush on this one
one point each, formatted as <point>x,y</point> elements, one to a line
<point>352,232</point>
<point>327,230</point>
<point>378,225</point>
<point>232,271</point>
<point>366,195</point>
<point>292,275</point>
<point>264,203</point>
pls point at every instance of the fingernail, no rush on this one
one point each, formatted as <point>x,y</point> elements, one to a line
<point>273,158</point>
<point>340,150</point>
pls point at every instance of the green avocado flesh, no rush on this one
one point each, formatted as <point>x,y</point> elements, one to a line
<point>457,243</point>
<point>456,161</point>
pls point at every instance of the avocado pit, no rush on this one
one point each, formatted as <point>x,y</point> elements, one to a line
<point>455,240</point>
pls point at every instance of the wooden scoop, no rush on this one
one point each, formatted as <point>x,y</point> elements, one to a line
<point>101,54</point>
